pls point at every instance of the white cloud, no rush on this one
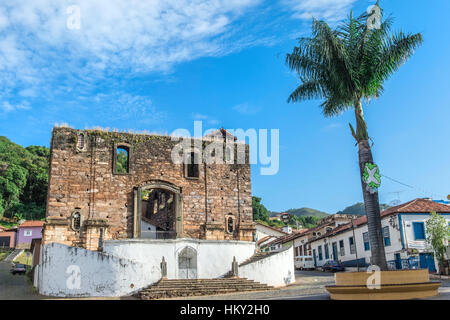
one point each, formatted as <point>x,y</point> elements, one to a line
<point>246,109</point>
<point>330,10</point>
<point>7,107</point>
<point>208,119</point>
<point>117,107</point>
<point>41,57</point>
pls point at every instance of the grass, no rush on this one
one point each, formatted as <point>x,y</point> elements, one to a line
<point>4,254</point>
<point>23,259</point>
<point>7,224</point>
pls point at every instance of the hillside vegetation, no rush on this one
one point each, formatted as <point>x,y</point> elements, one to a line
<point>359,210</point>
<point>23,180</point>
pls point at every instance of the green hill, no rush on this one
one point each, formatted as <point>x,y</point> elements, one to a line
<point>304,212</point>
<point>358,209</point>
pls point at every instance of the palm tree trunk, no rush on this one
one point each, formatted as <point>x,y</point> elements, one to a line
<point>371,202</point>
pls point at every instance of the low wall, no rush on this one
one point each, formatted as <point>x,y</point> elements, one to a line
<point>214,257</point>
<point>276,270</point>
<point>66,271</point>
<point>126,266</point>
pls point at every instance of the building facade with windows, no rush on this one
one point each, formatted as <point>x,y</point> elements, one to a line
<point>109,185</point>
<point>404,234</point>
<point>27,231</point>
<point>129,209</point>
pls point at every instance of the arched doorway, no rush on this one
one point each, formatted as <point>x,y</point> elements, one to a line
<point>157,211</point>
<point>187,263</point>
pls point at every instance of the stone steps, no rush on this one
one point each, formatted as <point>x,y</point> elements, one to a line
<point>258,256</point>
<point>13,255</point>
<point>195,287</point>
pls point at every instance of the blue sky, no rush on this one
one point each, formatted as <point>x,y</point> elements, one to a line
<point>160,65</point>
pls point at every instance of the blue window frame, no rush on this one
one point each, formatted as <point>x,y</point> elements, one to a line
<point>386,236</point>
<point>366,241</point>
<point>327,251</point>
<point>320,253</point>
<point>419,230</point>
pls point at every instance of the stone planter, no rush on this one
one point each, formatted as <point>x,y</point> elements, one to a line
<point>394,285</point>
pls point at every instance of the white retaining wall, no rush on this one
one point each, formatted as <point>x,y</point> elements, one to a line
<point>66,271</point>
<point>126,266</point>
<point>214,257</point>
<point>276,270</point>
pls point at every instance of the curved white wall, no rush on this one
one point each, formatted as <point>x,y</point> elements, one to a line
<point>214,257</point>
<point>276,270</point>
<point>127,266</point>
<point>66,271</point>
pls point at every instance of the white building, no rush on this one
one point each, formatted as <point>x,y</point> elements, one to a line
<point>404,238</point>
<point>287,229</point>
<point>263,231</point>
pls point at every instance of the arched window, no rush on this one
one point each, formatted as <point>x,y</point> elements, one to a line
<point>192,167</point>
<point>81,141</point>
<point>121,161</point>
<point>76,220</point>
<point>229,223</point>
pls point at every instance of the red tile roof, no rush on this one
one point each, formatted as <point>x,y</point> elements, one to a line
<point>274,229</point>
<point>263,239</point>
<point>414,206</point>
<point>31,223</point>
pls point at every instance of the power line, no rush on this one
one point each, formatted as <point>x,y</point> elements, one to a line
<point>398,182</point>
<point>412,187</point>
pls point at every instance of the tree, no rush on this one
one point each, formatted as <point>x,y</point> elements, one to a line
<point>23,180</point>
<point>438,234</point>
<point>259,210</point>
<point>345,66</point>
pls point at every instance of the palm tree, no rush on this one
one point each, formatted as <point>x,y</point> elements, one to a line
<point>343,67</point>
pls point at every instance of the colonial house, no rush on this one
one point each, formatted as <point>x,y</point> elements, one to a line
<point>403,232</point>
<point>7,237</point>
<point>300,239</point>
<point>263,231</point>
<point>27,231</point>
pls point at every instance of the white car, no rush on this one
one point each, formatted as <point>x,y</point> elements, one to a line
<point>304,262</point>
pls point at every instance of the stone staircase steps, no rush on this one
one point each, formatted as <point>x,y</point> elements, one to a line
<point>195,287</point>
<point>13,255</point>
<point>258,256</point>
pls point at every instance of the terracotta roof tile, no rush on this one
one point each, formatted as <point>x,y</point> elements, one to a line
<point>31,223</point>
<point>414,206</point>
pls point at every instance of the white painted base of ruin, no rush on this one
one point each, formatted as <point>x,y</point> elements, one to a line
<point>127,266</point>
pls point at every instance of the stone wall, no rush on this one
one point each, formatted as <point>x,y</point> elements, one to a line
<point>81,178</point>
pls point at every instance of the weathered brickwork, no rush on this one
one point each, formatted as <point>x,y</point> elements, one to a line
<point>82,179</point>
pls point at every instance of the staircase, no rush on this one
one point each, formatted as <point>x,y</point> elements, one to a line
<point>258,256</point>
<point>166,288</point>
<point>13,255</point>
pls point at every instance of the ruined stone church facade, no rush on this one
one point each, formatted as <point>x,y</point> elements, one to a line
<point>111,186</point>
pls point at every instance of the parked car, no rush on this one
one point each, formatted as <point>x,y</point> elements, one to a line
<point>333,266</point>
<point>19,269</point>
<point>304,262</point>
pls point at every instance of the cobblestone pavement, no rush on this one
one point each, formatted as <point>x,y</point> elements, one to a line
<point>309,285</point>
<point>15,287</point>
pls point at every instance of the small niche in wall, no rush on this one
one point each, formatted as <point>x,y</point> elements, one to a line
<point>81,142</point>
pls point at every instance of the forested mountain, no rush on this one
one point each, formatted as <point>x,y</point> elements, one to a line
<point>358,209</point>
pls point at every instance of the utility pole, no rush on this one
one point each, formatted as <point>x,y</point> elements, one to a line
<point>354,243</point>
